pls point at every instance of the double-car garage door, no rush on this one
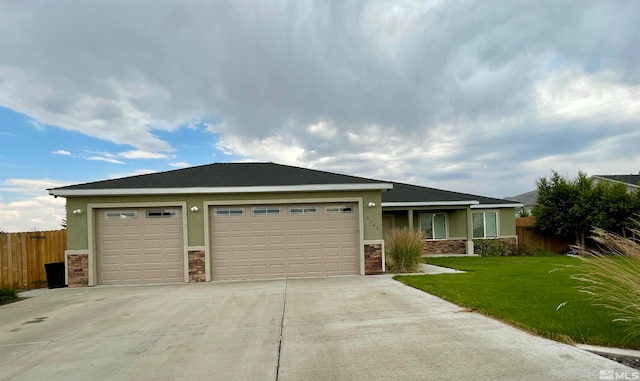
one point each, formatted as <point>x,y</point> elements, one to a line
<point>273,241</point>
<point>146,245</point>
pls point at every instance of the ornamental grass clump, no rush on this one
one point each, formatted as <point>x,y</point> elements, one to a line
<point>8,295</point>
<point>612,275</point>
<point>404,250</point>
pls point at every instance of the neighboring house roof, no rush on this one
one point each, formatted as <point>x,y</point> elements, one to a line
<point>405,195</point>
<point>628,180</point>
<point>224,178</point>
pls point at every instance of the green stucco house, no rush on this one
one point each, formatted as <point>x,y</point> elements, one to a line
<point>232,221</point>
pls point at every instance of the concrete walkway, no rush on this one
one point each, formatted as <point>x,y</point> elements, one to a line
<point>346,328</point>
<point>433,270</point>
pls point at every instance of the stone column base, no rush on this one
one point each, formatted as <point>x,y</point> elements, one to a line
<point>197,271</point>
<point>78,270</point>
<point>373,259</point>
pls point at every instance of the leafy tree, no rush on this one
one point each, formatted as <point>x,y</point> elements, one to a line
<point>617,207</point>
<point>573,208</point>
<point>557,207</point>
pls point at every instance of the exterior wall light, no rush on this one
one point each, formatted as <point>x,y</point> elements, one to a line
<point>372,204</point>
<point>194,209</point>
<point>77,211</point>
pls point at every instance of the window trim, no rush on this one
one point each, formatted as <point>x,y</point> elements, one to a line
<point>303,210</point>
<point>266,211</point>
<point>120,214</point>
<point>164,213</point>
<point>484,224</point>
<point>433,216</point>
<point>341,209</point>
<point>228,212</point>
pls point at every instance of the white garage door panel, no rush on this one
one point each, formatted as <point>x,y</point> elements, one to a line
<point>140,249</point>
<point>267,246</point>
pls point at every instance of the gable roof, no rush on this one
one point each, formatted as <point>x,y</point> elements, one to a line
<point>629,180</point>
<point>406,195</point>
<point>224,178</point>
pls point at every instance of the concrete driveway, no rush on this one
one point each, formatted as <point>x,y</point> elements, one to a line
<point>346,328</point>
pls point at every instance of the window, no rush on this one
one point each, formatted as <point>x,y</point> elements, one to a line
<point>228,212</point>
<point>485,225</point>
<point>120,214</point>
<point>433,225</point>
<point>303,210</point>
<point>339,209</point>
<point>265,211</point>
<point>162,213</point>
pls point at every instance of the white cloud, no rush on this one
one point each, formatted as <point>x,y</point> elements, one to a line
<point>113,119</point>
<point>30,187</point>
<point>180,164</point>
<point>61,152</point>
<point>459,95</point>
<point>576,95</point>
<point>132,173</point>
<point>324,130</point>
<point>37,213</point>
<point>31,208</point>
<point>37,125</point>
<point>142,172</point>
<point>107,159</point>
<point>276,149</point>
<point>137,154</point>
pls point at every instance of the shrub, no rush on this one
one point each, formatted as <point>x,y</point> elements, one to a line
<point>611,273</point>
<point>404,250</point>
<point>490,248</point>
<point>8,295</point>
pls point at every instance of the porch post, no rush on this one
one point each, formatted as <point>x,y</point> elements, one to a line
<point>410,211</point>
<point>469,231</point>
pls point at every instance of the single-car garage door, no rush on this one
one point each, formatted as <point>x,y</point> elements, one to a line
<point>139,245</point>
<point>273,241</point>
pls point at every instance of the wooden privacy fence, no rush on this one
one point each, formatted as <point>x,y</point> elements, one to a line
<point>23,255</point>
<point>529,240</point>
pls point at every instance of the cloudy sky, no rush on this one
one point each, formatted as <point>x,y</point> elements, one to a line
<point>482,97</point>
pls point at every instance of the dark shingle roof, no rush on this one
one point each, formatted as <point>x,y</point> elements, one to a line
<point>414,193</point>
<point>629,179</point>
<point>225,175</point>
<point>239,175</point>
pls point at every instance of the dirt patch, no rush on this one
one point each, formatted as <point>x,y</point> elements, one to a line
<point>633,362</point>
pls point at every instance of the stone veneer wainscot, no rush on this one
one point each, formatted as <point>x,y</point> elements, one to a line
<point>78,270</point>
<point>197,271</point>
<point>373,259</point>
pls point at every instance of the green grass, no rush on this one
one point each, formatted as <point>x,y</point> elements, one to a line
<point>526,292</point>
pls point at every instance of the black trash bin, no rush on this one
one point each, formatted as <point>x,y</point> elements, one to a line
<point>55,274</point>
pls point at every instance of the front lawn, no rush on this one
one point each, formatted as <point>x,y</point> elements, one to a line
<point>526,292</point>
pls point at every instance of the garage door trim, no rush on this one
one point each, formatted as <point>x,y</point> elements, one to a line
<point>91,227</point>
<point>208,217</point>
